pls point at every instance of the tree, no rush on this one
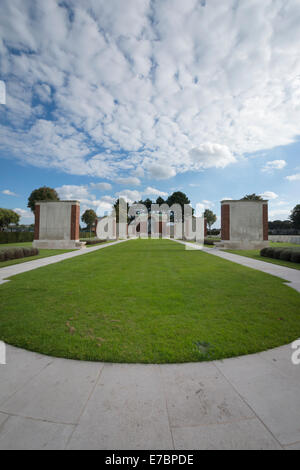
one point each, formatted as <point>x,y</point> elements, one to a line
<point>295,217</point>
<point>252,197</point>
<point>89,218</point>
<point>42,194</point>
<point>7,217</point>
<point>179,198</point>
<point>210,217</point>
<point>160,201</point>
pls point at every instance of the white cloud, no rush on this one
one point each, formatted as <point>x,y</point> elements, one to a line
<point>7,192</point>
<point>154,192</point>
<point>208,204</point>
<point>294,177</point>
<point>101,186</point>
<point>274,165</point>
<point>160,171</point>
<point>269,195</point>
<point>279,214</point>
<point>25,214</point>
<point>130,180</point>
<point>145,86</point>
<point>211,155</point>
<point>71,193</point>
<point>129,195</point>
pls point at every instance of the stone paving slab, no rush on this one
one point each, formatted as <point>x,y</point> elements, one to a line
<point>127,411</point>
<point>198,394</point>
<point>249,434</point>
<point>272,394</point>
<point>21,368</point>
<point>57,394</point>
<point>27,434</point>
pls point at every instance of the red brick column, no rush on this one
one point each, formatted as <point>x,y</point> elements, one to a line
<point>75,216</point>
<point>225,214</point>
<point>266,221</point>
<point>37,222</point>
<point>205,228</point>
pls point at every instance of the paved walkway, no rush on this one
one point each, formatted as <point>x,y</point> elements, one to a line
<point>291,276</point>
<point>9,271</point>
<point>251,402</point>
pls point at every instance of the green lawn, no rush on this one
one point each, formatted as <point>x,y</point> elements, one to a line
<point>255,254</point>
<point>43,254</point>
<point>148,301</point>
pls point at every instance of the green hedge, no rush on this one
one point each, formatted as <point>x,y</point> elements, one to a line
<point>209,241</point>
<point>16,237</point>
<point>284,254</point>
<point>87,235</point>
<point>17,253</point>
<point>93,242</point>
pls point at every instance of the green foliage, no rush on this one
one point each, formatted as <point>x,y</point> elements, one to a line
<point>94,242</point>
<point>42,194</point>
<point>295,257</point>
<point>160,201</point>
<point>17,253</point>
<point>8,217</point>
<point>281,253</point>
<point>295,217</point>
<point>209,242</point>
<point>16,237</point>
<point>210,217</point>
<point>252,197</point>
<point>89,217</point>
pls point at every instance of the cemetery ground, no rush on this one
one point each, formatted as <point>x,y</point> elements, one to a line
<point>148,301</point>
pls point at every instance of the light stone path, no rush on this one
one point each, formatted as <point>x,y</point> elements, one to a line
<point>251,402</point>
<point>15,269</point>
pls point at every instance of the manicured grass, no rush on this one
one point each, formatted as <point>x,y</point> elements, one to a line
<point>42,254</point>
<point>148,301</point>
<point>255,254</point>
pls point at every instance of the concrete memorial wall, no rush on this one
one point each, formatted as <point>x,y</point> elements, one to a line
<point>244,224</point>
<point>57,225</point>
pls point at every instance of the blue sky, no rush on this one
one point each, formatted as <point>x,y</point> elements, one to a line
<point>143,98</point>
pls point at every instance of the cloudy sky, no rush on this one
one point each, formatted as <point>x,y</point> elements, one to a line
<point>144,97</point>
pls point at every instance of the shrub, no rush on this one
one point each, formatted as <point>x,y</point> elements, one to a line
<point>17,253</point>
<point>93,242</point>
<point>16,237</point>
<point>295,257</point>
<point>285,255</point>
<point>267,252</point>
<point>278,252</point>
<point>208,241</point>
